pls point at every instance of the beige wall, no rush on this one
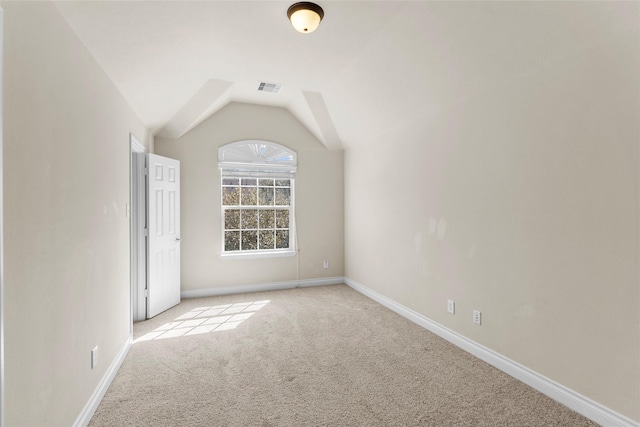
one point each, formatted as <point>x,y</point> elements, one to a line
<point>318,200</point>
<point>66,234</point>
<point>521,203</point>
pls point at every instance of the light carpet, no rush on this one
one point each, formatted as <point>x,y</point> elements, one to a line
<point>321,356</point>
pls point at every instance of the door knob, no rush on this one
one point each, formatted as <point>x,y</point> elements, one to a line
<point>177,239</point>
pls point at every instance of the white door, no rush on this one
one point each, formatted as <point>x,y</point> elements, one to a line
<point>163,220</point>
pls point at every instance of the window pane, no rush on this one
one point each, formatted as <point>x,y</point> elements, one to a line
<point>267,218</point>
<point>256,213</point>
<point>231,240</point>
<point>230,196</point>
<point>232,219</point>
<point>249,220</point>
<point>266,196</point>
<point>249,240</point>
<point>282,219</point>
<point>283,196</point>
<point>266,239</point>
<point>282,239</point>
<point>248,196</point>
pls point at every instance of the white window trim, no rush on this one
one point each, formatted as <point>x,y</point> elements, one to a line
<point>253,155</point>
<point>265,253</point>
<point>251,159</point>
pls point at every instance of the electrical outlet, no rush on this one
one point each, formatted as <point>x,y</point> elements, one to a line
<point>325,264</point>
<point>451,306</point>
<point>477,317</point>
<point>94,357</point>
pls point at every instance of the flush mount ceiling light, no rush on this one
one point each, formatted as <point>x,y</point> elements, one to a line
<point>305,16</point>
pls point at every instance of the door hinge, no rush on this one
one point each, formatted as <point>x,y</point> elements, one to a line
<point>146,232</point>
<point>146,170</point>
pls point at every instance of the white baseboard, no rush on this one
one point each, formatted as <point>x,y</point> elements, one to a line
<point>230,290</point>
<point>573,400</point>
<point>91,406</point>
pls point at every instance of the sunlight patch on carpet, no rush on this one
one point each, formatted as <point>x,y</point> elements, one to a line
<point>203,320</point>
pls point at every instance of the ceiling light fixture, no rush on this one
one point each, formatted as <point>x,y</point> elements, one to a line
<point>305,16</point>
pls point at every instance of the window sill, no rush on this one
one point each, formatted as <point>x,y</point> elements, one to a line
<point>258,255</point>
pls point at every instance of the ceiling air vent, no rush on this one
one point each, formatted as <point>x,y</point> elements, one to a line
<point>269,87</point>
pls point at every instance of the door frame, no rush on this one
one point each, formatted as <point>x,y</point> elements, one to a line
<point>1,225</point>
<point>138,223</point>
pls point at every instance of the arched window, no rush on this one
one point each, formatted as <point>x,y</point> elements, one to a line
<point>257,197</point>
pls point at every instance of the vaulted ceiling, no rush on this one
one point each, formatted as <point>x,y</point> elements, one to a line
<point>371,65</point>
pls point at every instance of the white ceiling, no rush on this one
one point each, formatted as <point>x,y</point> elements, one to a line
<point>370,66</point>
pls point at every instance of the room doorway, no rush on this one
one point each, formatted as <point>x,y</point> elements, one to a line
<point>155,232</point>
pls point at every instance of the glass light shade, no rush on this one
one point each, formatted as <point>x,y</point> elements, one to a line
<point>305,20</point>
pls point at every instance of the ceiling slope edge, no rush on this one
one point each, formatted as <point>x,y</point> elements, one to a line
<point>211,97</point>
<point>308,108</point>
<point>320,112</point>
